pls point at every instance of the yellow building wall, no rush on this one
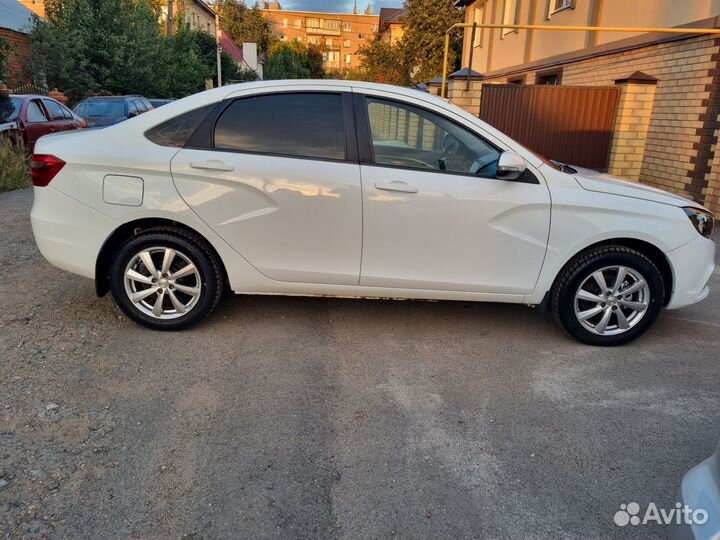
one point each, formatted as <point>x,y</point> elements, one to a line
<point>497,52</point>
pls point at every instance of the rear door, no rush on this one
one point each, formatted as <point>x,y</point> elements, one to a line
<point>37,122</point>
<point>277,177</point>
<point>58,118</point>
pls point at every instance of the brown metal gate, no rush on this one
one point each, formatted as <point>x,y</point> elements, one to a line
<point>571,124</point>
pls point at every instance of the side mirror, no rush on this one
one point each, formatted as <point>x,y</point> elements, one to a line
<point>510,166</point>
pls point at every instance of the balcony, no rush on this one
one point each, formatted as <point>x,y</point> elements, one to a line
<point>323,27</point>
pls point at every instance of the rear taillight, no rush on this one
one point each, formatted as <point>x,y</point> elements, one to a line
<point>44,169</point>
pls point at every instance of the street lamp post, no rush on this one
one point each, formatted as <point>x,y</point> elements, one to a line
<point>218,46</point>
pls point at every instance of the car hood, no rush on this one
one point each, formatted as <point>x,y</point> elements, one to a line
<point>606,183</point>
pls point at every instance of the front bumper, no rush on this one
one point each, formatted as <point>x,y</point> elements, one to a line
<point>68,233</point>
<point>692,265</point>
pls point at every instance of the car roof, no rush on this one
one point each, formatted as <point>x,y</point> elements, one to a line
<point>31,96</point>
<point>129,96</point>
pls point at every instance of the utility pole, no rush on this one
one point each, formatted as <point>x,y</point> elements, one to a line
<point>170,18</point>
<point>218,3</point>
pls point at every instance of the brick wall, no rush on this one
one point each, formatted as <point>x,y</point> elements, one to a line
<point>679,154</point>
<point>18,55</point>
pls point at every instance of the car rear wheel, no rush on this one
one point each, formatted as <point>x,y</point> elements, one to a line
<point>165,280</point>
<point>609,295</point>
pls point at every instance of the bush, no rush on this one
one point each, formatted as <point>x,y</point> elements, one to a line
<point>14,166</point>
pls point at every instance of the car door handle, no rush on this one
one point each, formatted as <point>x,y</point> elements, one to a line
<point>396,186</point>
<point>212,165</point>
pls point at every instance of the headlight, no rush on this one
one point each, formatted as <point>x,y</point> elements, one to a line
<point>702,220</point>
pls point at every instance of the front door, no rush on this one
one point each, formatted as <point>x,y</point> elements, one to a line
<point>278,185</point>
<point>436,217</point>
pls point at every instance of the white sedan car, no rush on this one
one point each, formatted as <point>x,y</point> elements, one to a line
<point>339,188</point>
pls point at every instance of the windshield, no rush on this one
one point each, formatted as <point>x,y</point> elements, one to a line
<point>100,107</point>
<point>9,109</point>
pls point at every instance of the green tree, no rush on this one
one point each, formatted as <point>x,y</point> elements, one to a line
<point>4,54</point>
<point>384,63</point>
<point>247,24</point>
<point>87,47</point>
<point>424,39</point>
<point>294,61</point>
<point>193,61</point>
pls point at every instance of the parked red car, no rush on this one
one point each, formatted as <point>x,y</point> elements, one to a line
<point>31,117</point>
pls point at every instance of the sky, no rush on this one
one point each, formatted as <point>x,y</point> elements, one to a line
<point>338,6</point>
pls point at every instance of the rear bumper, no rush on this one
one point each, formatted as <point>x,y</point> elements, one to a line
<point>69,234</point>
<point>692,264</point>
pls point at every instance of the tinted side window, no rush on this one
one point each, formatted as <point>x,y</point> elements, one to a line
<point>54,109</point>
<point>303,124</point>
<point>35,112</point>
<point>411,137</point>
<point>176,131</point>
<point>67,112</point>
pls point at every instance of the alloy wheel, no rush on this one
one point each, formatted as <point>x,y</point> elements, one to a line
<point>162,282</point>
<point>612,300</point>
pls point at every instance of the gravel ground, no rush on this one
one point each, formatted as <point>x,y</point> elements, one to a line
<point>321,418</point>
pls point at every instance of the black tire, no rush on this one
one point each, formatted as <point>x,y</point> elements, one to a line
<point>189,246</point>
<point>581,268</point>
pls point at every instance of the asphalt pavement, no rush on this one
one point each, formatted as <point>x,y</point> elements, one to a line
<point>324,418</point>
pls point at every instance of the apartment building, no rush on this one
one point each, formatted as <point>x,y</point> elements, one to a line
<point>670,92</point>
<point>340,35</point>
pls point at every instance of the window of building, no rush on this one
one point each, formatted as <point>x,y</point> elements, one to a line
<point>347,27</point>
<point>35,112</point>
<point>414,138</point>
<point>348,58</point>
<point>559,5</point>
<point>333,56</point>
<point>332,24</point>
<point>313,40</point>
<point>329,42</point>
<point>312,23</point>
<point>516,80</point>
<point>478,18</point>
<point>510,15</point>
<point>346,43</point>
<point>362,36</point>
<point>550,78</point>
<point>298,23</point>
<point>285,23</point>
<point>374,28</point>
<point>302,124</point>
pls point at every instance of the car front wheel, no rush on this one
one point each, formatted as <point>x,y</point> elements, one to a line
<point>165,280</point>
<point>609,295</point>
